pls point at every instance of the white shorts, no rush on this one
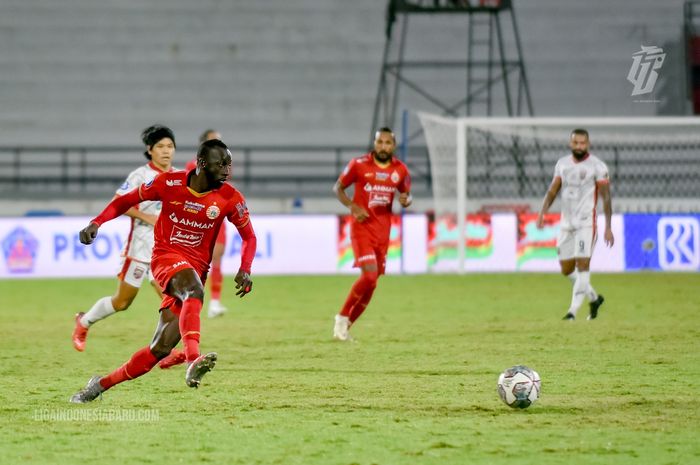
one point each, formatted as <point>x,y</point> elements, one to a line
<point>576,243</point>
<point>134,272</point>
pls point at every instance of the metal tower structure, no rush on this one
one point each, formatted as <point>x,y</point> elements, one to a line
<point>491,74</point>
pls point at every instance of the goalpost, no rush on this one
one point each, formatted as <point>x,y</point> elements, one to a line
<point>482,161</point>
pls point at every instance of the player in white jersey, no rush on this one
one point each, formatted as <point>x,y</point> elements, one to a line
<point>580,177</point>
<point>136,256</point>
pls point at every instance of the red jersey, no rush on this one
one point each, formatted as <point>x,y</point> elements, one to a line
<point>192,164</point>
<point>189,221</point>
<point>375,187</point>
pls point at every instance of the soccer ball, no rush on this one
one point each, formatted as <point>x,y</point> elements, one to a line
<point>519,386</point>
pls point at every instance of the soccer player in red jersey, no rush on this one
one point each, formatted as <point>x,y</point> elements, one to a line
<point>376,176</point>
<point>216,278</point>
<point>194,205</point>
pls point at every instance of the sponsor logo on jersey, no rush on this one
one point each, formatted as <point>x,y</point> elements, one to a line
<point>365,258</point>
<point>173,182</point>
<point>379,188</point>
<point>369,175</point>
<point>20,249</point>
<point>394,177</point>
<point>213,212</point>
<point>382,176</point>
<point>180,263</point>
<point>193,223</point>
<point>124,186</point>
<point>186,237</point>
<point>175,202</point>
<point>242,208</point>
<point>148,184</point>
<point>679,243</point>
<point>193,207</point>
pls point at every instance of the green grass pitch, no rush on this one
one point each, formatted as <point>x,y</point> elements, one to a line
<point>419,386</point>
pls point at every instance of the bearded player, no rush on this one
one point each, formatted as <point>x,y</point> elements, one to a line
<point>581,177</point>
<point>194,205</point>
<point>376,177</point>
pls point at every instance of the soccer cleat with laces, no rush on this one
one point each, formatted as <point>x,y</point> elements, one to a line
<point>79,333</point>
<point>175,357</point>
<point>595,305</point>
<point>215,309</point>
<point>92,390</point>
<point>198,368</point>
<point>569,316</point>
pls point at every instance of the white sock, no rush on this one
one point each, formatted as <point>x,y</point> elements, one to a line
<point>591,294</point>
<point>101,310</point>
<point>579,291</point>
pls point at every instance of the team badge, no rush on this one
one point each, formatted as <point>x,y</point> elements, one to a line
<point>394,177</point>
<point>213,212</point>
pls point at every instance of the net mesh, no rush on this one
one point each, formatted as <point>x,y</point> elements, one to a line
<point>645,158</point>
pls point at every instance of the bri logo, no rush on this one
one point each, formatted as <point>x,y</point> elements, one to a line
<point>679,243</point>
<point>20,249</point>
<point>173,182</point>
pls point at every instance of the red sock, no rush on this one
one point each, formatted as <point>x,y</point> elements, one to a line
<point>189,327</point>
<point>216,278</point>
<point>139,364</point>
<point>364,284</point>
<point>361,305</point>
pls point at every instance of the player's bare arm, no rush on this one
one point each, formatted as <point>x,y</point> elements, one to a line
<point>604,190</point>
<point>359,213</point>
<point>549,197</point>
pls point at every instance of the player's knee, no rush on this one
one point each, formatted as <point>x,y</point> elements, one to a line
<point>161,349</point>
<point>370,279</point>
<point>121,304</point>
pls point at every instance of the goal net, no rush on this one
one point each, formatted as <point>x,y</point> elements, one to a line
<point>489,164</point>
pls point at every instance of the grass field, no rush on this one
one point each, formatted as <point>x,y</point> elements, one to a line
<point>419,386</point>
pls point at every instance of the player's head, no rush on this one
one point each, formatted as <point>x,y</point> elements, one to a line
<point>579,143</point>
<point>384,144</point>
<point>160,144</point>
<point>209,134</point>
<point>214,160</point>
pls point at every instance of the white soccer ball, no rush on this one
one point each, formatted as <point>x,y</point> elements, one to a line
<point>519,386</point>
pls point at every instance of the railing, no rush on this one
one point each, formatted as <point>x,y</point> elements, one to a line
<point>259,171</point>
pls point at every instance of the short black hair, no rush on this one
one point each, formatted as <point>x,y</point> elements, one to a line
<point>205,135</point>
<point>154,134</point>
<point>580,132</point>
<point>208,146</point>
<point>385,129</point>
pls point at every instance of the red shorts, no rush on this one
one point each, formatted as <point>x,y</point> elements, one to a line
<point>369,250</point>
<point>163,268</point>
<point>221,238</point>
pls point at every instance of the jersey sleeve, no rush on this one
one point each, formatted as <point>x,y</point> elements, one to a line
<point>238,213</point>
<point>601,173</point>
<point>558,170</point>
<point>349,174</point>
<point>132,181</point>
<point>405,185</point>
<point>152,190</point>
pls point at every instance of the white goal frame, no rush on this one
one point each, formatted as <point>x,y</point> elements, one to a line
<point>573,122</point>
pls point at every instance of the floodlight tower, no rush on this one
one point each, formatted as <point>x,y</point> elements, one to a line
<point>495,79</point>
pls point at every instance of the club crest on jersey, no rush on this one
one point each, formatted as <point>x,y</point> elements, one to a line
<point>394,177</point>
<point>582,175</point>
<point>213,212</point>
<point>382,176</point>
